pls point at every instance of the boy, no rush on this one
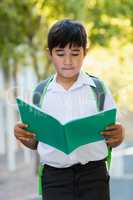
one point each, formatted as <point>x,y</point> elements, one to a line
<point>81,175</point>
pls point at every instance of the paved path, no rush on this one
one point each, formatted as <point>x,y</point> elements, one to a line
<point>18,185</point>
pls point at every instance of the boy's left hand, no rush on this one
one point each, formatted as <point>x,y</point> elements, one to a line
<point>114,135</point>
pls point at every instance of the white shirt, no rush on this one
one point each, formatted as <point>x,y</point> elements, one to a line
<point>65,105</point>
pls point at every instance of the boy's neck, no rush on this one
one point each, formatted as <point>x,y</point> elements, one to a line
<point>66,83</point>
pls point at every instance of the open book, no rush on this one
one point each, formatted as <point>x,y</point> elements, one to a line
<point>69,136</point>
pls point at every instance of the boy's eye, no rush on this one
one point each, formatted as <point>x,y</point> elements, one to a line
<point>61,54</point>
<point>75,54</point>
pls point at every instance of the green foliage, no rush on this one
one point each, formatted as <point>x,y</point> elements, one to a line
<point>24,26</point>
<point>18,24</point>
<point>109,19</point>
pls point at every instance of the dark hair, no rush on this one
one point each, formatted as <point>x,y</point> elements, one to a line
<point>67,32</point>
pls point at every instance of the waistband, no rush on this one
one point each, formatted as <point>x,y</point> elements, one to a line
<point>79,166</point>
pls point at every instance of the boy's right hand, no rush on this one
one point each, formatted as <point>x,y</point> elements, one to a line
<point>22,134</point>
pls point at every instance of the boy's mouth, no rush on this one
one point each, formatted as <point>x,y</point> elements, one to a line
<point>71,68</point>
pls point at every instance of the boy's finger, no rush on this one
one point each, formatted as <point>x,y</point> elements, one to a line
<point>112,127</point>
<point>22,125</point>
<point>107,136</point>
<point>21,137</point>
<point>25,136</point>
<point>108,133</point>
<point>20,131</point>
<point>24,139</point>
<point>112,142</point>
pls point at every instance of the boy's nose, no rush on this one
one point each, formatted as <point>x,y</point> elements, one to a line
<point>67,60</point>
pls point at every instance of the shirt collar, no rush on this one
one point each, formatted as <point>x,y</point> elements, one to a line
<point>83,79</point>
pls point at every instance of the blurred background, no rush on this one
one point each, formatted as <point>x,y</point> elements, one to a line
<point>23,62</point>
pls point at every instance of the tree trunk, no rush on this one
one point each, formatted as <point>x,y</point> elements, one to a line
<point>35,65</point>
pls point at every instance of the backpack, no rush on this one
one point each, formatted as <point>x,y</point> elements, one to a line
<point>99,92</point>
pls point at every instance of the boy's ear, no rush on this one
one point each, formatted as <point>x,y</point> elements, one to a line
<point>48,53</point>
<point>86,50</point>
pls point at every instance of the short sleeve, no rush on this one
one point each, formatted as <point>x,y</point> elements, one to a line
<point>109,102</point>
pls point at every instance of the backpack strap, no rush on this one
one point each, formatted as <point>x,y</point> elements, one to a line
<point>98,91</point>
<point>40,91</point>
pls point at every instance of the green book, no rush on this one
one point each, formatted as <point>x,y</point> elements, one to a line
<point>65,137</point>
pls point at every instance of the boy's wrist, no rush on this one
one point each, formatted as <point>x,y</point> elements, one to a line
<point>30,143</point>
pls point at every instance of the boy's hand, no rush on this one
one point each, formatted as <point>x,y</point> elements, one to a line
<point>22,134</point>
<point>26,137</point>
<point>114,135</point>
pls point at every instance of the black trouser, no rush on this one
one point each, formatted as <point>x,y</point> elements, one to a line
<point>78,182</point>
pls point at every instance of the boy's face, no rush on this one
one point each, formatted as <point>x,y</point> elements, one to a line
<point>67,61</point>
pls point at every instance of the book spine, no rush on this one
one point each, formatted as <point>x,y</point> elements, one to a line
<point>66,140</point>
